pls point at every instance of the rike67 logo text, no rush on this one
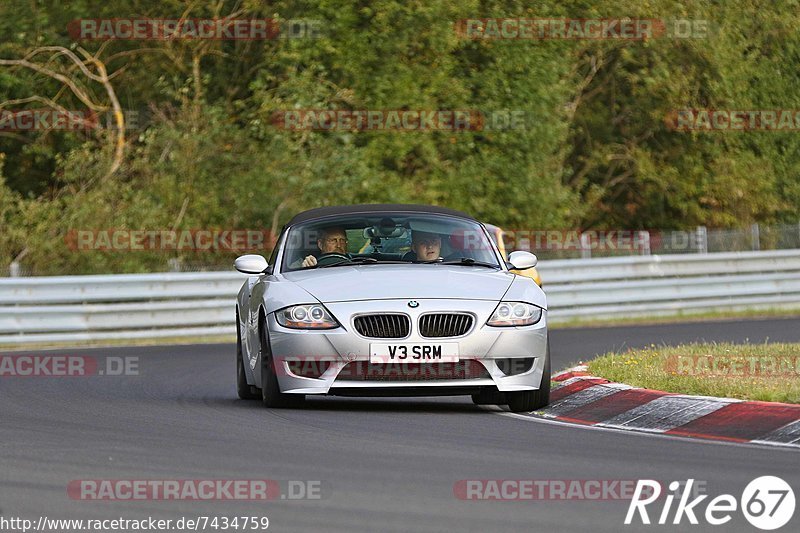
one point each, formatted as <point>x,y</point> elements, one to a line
<point>767,503</point>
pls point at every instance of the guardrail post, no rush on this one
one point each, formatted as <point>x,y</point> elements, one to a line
<point>798,234</point>
<point>14,270</point>
<point>586,246</point>
<point>755,236</point>
<point>701,239</point>
<point>644,240</point>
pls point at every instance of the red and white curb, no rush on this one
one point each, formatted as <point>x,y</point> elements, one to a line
<point>580,398</point>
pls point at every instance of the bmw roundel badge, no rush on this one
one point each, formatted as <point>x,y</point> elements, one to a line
<point>413,304</point>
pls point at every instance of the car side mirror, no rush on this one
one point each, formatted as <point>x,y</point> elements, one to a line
<point>252,264</point>
<point>522,260</point>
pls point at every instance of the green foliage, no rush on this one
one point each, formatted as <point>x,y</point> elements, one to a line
<point>592,150</point>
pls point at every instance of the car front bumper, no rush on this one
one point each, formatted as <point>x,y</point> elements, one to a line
<point>484,352</point>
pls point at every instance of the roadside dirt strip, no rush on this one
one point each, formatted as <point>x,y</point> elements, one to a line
<point>584,399</point>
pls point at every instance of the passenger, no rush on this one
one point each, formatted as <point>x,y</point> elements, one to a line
<point>424,247</point>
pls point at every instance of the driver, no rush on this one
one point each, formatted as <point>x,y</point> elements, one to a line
<point>331,241</point>
<point>424,247</point>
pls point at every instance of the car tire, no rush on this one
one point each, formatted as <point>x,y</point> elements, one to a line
<point>271,395</point>
<point>243,389</point>
<point>530,400</point>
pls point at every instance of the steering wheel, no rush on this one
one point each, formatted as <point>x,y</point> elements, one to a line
<point>331,259</point>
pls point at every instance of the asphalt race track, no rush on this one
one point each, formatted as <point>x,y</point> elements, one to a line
<point>382,464</point>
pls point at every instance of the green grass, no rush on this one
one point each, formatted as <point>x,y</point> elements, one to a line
<point>767,372</point>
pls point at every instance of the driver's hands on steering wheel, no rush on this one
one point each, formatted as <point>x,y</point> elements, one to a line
<point>309,261</point>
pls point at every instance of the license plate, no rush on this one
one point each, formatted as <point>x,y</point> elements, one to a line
<point>413,353</point>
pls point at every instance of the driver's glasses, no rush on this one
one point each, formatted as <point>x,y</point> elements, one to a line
<point>336,240</point>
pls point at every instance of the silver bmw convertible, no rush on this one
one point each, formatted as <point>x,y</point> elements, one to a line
<point>390,300</point>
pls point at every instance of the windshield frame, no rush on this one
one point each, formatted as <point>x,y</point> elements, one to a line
<point>281,265</point>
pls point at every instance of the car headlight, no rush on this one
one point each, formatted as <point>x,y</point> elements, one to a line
<point>306,316</point>
<point>515,314</point>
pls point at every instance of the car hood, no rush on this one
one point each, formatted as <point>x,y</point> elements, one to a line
<point>381,282</point>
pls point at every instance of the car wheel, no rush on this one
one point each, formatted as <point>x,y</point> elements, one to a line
<point>530,400</point>
<point>271,395</point>
<point>245,390</point>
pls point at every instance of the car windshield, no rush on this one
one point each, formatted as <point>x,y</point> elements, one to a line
<point>398,238</point>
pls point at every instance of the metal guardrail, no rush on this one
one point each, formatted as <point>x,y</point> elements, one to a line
<point>671,285</point>
<point>134,306</point>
